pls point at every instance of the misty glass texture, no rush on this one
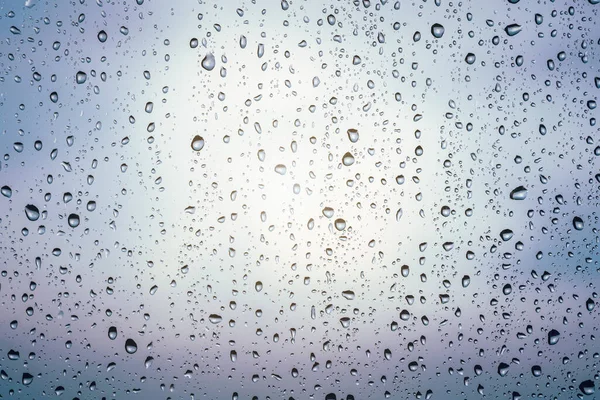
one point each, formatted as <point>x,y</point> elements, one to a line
<point>294,199</point>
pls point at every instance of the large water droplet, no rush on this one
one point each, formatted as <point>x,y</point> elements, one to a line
<point>32,212</point>
<point>518,193</point>
<point>6,191</point>
<point>80,77</point>
<point>102,36</point>
<point>208,62</point>
<point>553,337</point>
<point>112,333</point>
<point>130,346</point>
<point>26,379</point>
<point>73,220</point>
<point>348,159</point>
<point>578,223</point>
<point>503,369</point>
<point>587,387</point>
<point>198,143</point>
<point>513,29</point>
<point>215,318</point>
<point>437,30</point>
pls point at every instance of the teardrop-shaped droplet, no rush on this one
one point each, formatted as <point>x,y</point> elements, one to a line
<point>32,212</point>
<point>590,304</point>
<point>208,62</point>
<point>348,159</point>
<point>6,191</point>
<point>130,346</point>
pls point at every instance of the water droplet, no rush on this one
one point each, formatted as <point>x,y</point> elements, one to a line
<point>208,62</point>
<point>26,379</point>
<point>437,30</point>
<point>73,220</point>
<point>198,143</point>
<point>348,294</point>
<point>513,29</point>
<point>470,58</point>
<point>6,191</point>
<point>578,223</point>
<point>328,212</point>
<point>553,337</point>
<point>353,135</point>
<point>215,319</point>
<point>193,43</point>
<point>518,193</point>
<point>130,346</point>
<point>80,77</point>
<point>112,333</point>
<point>503,369</point>
<point>506,235</point>
<point>280,169</point>
<point>348,159</point>
<point>590,304</point>
<point>102,36</point>
<point>587,387</point>
<point>32,212</point>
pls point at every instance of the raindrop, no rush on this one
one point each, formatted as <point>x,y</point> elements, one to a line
<point>80,77</point>
<point>208,62</point>
<point>73,220</point>
<point>437,30</point>
<point>130,346</point>
<point>513,29</point>
<point>197,143</point>
<point>553,336</point>
<point>32,212</point>
<point>578,223</point>
<point>518,193</point>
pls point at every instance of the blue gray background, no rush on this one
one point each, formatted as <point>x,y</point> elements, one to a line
<point>235,276</point>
